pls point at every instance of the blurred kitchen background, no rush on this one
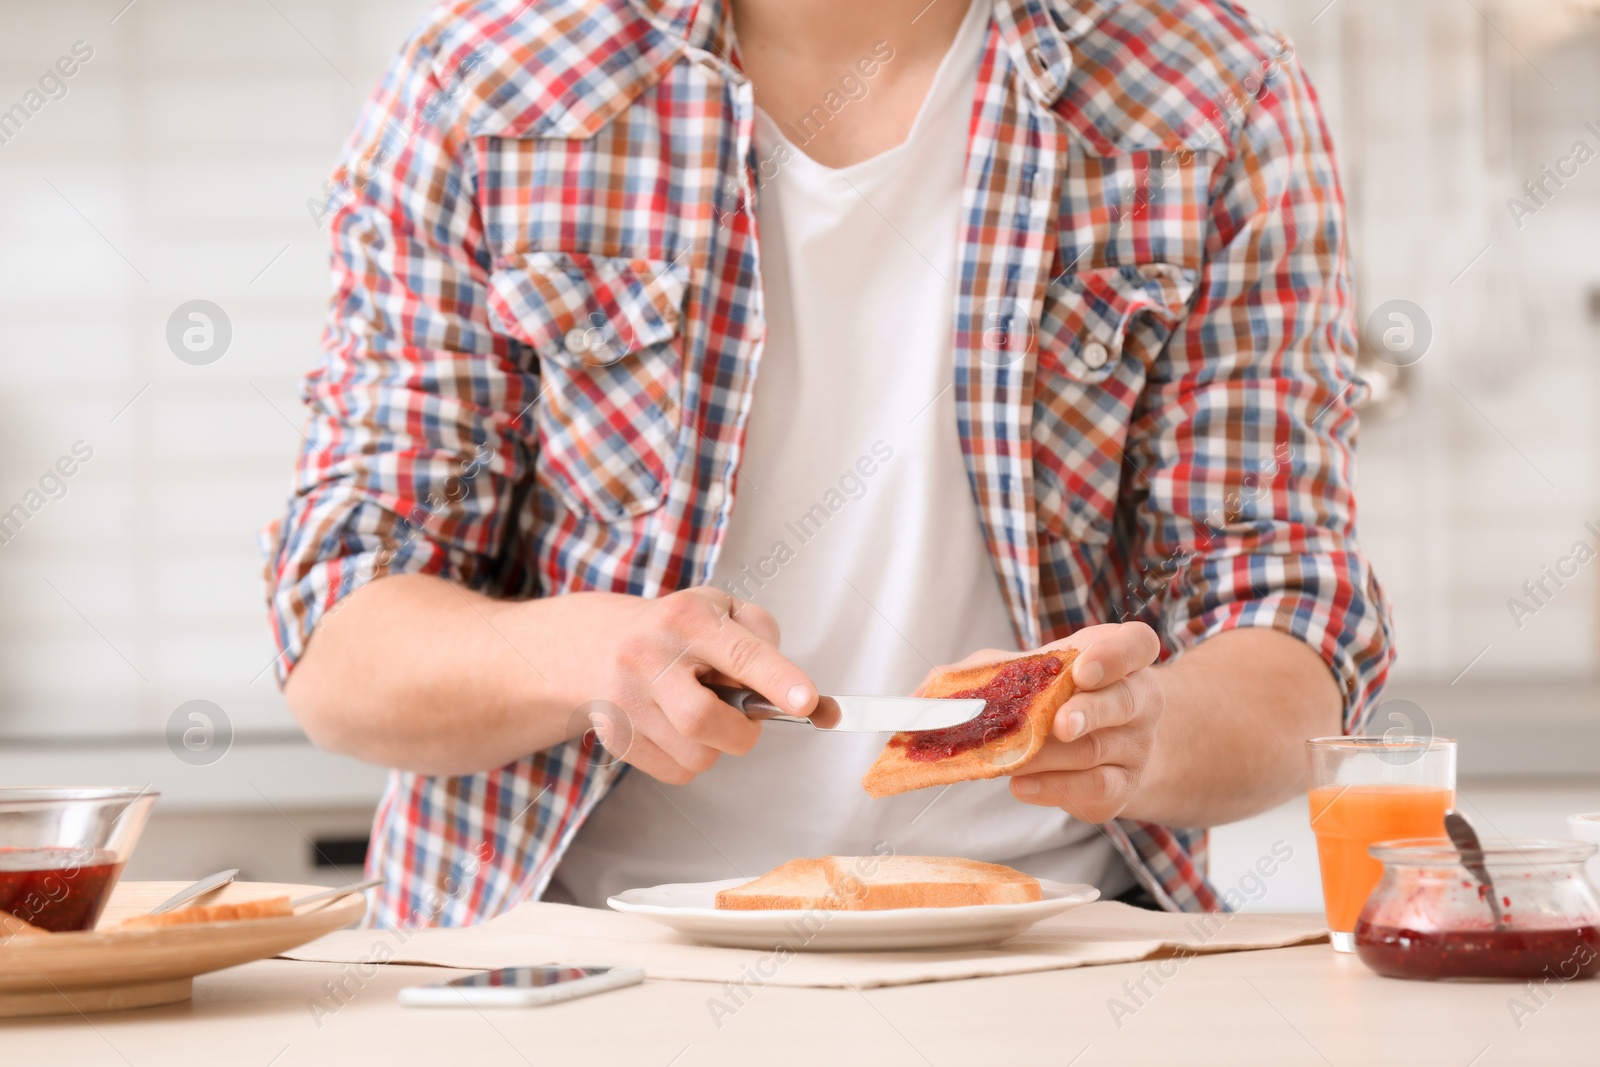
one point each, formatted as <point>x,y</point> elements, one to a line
<point>180,162</point>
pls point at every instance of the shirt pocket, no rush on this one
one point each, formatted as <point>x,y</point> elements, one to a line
<point>1099,332</point>
<point>605,330</point>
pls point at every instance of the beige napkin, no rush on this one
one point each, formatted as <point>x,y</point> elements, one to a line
<point>1103,932</point>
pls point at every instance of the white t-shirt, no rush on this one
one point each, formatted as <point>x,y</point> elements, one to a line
<point>854,524</point>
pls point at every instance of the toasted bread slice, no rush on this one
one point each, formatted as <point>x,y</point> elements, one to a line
<point>928,882</point>
<point>265,908</point>
<point>802,885</point>
<point>895,771</point>
<point>879,883</point>
<point>11,926</point>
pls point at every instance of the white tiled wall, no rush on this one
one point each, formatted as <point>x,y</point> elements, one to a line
<point>1441,111</point>
<point>177,167</point>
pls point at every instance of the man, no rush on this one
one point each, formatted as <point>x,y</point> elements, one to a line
<point>809,345</point>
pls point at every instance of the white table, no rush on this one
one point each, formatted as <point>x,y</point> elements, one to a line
<point>1280,1008</point>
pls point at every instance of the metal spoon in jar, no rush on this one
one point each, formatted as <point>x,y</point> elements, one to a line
<point>1466,841</point>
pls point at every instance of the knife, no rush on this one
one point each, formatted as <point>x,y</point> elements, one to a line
<point>199,889</point>
<point>855,714</point>
<point>337,892</point>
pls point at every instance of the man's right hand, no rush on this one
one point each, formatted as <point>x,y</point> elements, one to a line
<point>416,672</point>
<point>660,654</point>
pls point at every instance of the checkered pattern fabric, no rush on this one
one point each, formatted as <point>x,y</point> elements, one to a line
<point>542,347</point>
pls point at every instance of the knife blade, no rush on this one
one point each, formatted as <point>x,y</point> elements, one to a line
<point>336,892</point>
<point>194,892</point>
<point>859,714</point>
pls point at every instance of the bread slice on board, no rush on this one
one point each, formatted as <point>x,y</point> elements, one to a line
<point>266,908</point>
<point>895,771</point>
<point>879,883</point>
<point>11,926</point>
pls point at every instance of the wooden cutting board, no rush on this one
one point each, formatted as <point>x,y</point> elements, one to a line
<point>105,969</point>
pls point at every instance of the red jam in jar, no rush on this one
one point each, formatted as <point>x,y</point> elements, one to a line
<point>57,889</point>
<point>1429,918</point>
<point>1008,695</point>
<point>1566,954</point>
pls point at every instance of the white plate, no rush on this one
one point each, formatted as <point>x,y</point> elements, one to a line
<point>690,909</point>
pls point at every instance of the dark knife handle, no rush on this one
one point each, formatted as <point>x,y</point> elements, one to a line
<point>751,703</point>
<point>758,708</point>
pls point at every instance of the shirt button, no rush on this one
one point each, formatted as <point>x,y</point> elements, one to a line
<point>714,496</point>
<point>1094,355</point>
<point>577,340</point>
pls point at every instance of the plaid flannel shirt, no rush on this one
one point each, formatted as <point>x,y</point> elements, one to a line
<point>548,318</point>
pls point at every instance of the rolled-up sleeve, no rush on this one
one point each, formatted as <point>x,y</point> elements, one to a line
<point>415,437</point>
<point>1247,432</point>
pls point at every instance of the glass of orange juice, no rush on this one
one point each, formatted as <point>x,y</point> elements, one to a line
<point>1370,789</point>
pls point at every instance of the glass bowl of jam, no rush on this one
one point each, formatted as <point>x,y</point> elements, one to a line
<point>1430,917</point>
<point>62,850</point>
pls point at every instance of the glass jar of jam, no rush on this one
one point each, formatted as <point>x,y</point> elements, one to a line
<point>62,851</point>
<point>1430,917</point>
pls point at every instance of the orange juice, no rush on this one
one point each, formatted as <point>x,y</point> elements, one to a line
<point>1348,818</point>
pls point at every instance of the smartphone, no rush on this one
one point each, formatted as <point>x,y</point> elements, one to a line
<point>520,987</point>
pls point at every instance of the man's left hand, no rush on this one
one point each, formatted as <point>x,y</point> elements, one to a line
<point>1103,736</point>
